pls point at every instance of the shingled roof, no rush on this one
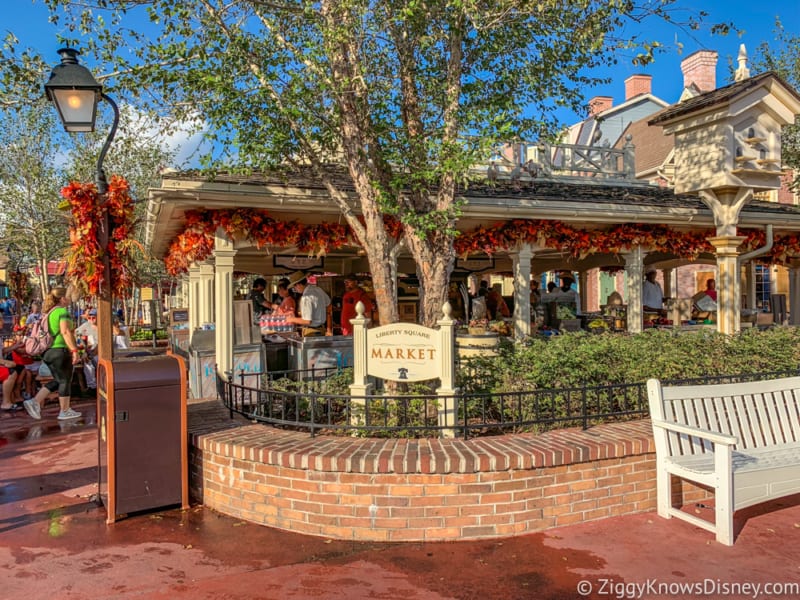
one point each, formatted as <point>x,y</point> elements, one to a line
<point>719,96</point>
<point>586,190</point>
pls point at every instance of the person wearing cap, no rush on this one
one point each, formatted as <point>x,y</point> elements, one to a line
<point>353,294</point>
<point>25,365</point>
<point>314,303</point>
<point>652,295</point>
<point>87,331</point>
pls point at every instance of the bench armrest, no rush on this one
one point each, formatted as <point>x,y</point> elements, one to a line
<point>706,434</point>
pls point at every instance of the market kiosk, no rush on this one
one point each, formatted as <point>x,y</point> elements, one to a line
<point>248,352</point>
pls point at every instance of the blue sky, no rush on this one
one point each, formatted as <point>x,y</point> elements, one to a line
<point>755,18</point>
<point>28,20</point>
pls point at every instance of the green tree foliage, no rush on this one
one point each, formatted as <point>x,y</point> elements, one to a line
<point>30,179</point>
<point>138,153</point>
<point>408,95</point>
<point>21,73</point>
<point>40,158</point>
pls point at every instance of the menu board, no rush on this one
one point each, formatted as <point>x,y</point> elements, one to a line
<point>178,315</point>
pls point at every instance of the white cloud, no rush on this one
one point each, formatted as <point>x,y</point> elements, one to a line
<point>185,139</point>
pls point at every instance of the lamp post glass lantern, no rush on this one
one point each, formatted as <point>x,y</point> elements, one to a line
<point>76,94</point>
<point>74,91</point>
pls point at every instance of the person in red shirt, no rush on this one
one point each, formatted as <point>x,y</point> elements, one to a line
<point>24,386</point>
<point>711,289</point>
<point>353,294</point>
<point>8,377</point>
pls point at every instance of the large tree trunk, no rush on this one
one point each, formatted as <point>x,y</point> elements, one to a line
<point>381,262</point>
<point>434,257</point>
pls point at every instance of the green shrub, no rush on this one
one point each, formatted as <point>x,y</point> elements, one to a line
<point>582,359</point>
<point>576,360</point>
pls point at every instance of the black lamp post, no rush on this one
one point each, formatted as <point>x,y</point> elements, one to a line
<point>76,93</point>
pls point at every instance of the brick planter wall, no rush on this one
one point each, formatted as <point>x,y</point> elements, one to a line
<point>420,490</point>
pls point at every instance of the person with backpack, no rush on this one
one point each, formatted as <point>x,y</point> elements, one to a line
<point>60,357</point>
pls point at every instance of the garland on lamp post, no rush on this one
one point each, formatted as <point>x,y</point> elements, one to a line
<point>85,254</point>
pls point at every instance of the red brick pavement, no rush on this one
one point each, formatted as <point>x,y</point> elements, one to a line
<point>54,544</point>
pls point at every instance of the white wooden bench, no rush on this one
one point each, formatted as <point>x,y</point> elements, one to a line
<point>740,439</point>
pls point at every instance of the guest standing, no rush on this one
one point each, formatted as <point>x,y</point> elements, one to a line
<point>286,305</point>
<point>314,304</point>
<point>59,357</point>
<point>652,296</point>
<point>353,294</point>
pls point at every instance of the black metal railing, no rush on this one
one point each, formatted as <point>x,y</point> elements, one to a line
<point>301,400</point>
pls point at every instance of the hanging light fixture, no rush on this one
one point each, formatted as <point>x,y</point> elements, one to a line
<point>74,91</point>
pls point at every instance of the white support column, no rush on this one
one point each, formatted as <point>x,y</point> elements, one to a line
<point>224,254</point>
<point>728,285</point>
<point>634,266</point>
<point>206,293</point>
<point>194,298</point>
<point>794,291</point>
<point>521,261</point>
<point>726,204</point>
<point>360,386</point>
<point>446,391</point>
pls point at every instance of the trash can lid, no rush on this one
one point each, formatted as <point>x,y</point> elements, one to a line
<point>145,372</point>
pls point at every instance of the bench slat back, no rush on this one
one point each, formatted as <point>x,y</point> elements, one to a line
<point>757,413</point>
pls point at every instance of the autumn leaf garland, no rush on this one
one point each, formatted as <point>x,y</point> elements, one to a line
<point>85,254</point>
<point>196,242</point>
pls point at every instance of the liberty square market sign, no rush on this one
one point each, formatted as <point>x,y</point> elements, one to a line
<point>404,352</point>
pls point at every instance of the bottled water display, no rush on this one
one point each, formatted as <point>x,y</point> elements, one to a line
<point>275,324</point>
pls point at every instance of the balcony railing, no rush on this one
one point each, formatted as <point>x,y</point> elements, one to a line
<point>572,161</point>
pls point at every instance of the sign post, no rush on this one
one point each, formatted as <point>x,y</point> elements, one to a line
<point>405,353</point>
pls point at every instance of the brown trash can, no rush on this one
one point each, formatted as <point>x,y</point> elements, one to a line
<point>141,418</point>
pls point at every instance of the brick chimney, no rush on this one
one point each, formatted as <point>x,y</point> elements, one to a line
<point>700,69</point>
<point>638,84</point>
<point>600,103</point>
